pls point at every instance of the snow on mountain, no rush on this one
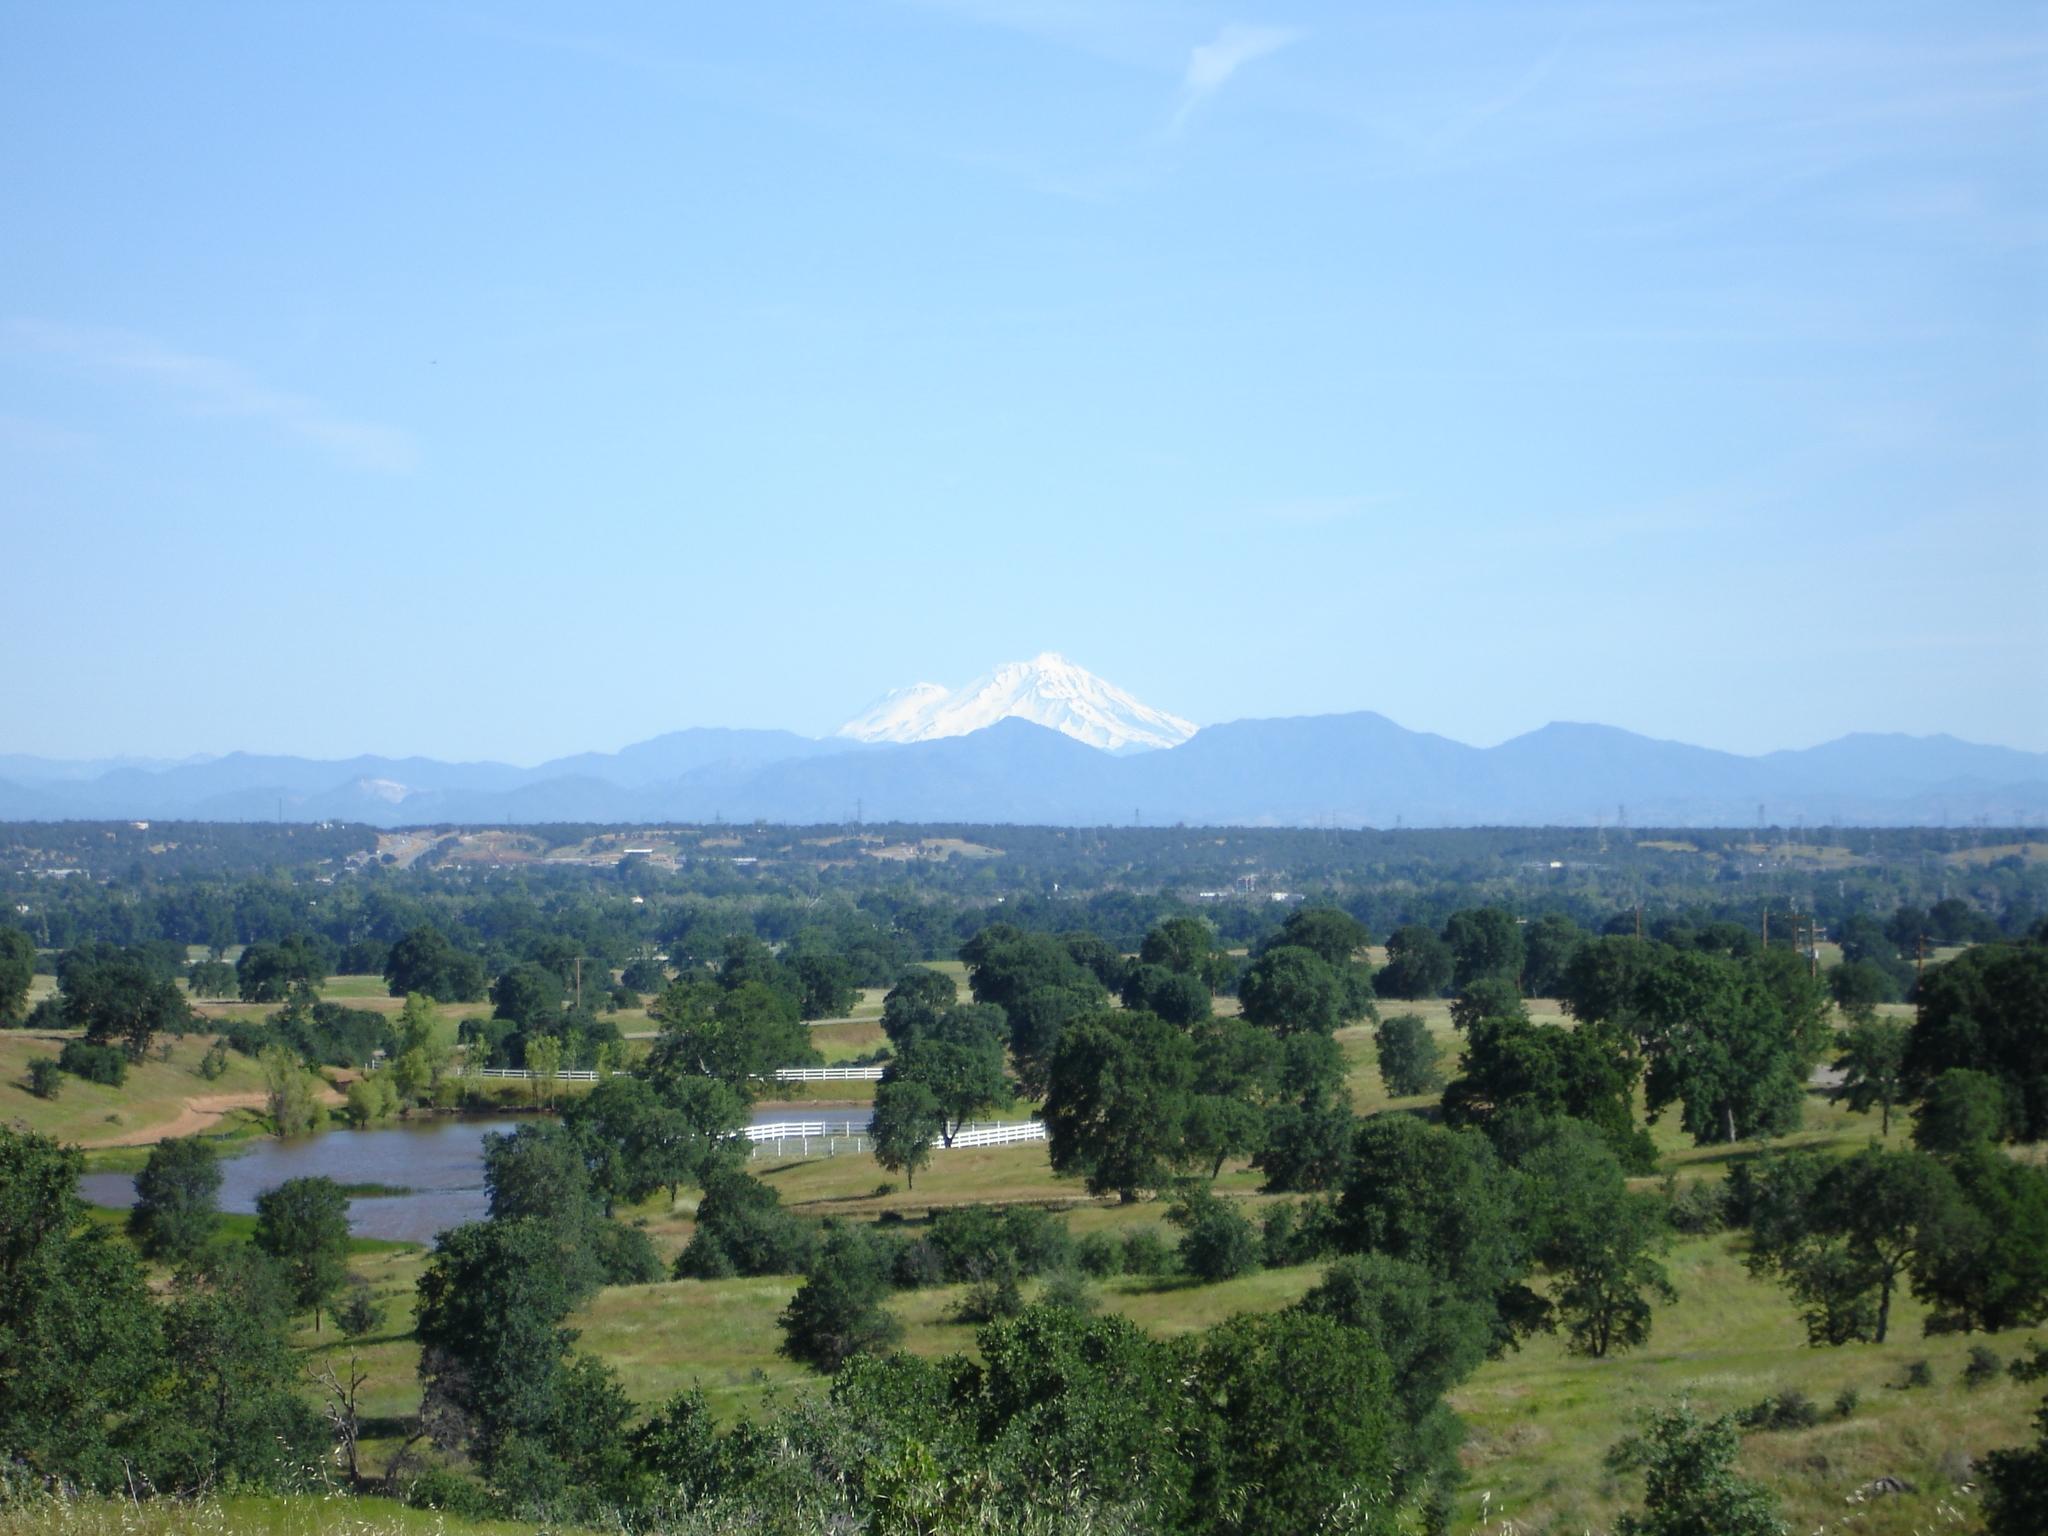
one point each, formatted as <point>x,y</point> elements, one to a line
<point>1047,690</point>
<point>901,714</point>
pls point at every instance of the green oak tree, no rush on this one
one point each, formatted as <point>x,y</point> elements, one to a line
<point>1419,964</point>
<point>177,1200</point>
<point>17,973</point>
<point>1117,1102</point>
<point>1407,1056</point>
<point>1486,945</point>
<point>424,961</point>
<point>907,1120</point>
<point>303,1224</point>
<point>1871,1056</point>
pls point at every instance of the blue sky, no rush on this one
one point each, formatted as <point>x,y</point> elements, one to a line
<point>506,381</point>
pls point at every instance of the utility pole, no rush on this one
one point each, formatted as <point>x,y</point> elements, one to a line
<point>1767,927</point>
<point>579,983</point>
<point>1639,922</point>
<point>1920,957</point>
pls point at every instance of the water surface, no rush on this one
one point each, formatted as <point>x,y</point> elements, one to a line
<point>438,1159</point>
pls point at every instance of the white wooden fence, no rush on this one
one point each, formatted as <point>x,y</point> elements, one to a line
<point>782,1074</point>
<point>826,1138</point>
<point>1006,1133</point>
<point>822,1138</point>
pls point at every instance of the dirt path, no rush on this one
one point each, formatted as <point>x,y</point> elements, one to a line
<point>202,1112</point>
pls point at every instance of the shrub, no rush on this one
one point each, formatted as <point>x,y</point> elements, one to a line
<point>1100,1255</point>
<point>244,1038</point>
<point>1982,1366</point>
<point>1298,1233</point>
<point>1217,1241</point>
<point>450,1492</point>
<point>1917,1374</point>
<point>45,1077</point>
<point>2031,1366</point>
<point>1069,1289</point>
<point>1038,1238</point>
<point>917,1265</point>
<point>837,1312</point>
<point>95,1063</point>
<point>988,1301</point>
<point>1690,1481</point>
<point>625,1255</point>
<point>1846,1401</point>
<point>358,1311</point>
<point>214,1063</point>
<point>742,1229</point>
<point>1790,1409</point>
<point>1147,1252</point>
<point>705,1259</point>
<point>369,1100</point>
<point>985,1242</point>
<point>1695,1207</point>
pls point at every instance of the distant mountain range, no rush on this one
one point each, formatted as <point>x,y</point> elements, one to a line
<point>1346,770</point>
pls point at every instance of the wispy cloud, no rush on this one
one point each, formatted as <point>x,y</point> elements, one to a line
<point>1211,65</point>
<point>215,387</point>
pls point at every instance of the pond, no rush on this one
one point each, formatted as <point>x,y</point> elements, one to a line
<point>438,1161</point>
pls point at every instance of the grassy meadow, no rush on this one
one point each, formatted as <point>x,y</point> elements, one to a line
<point>163,1096</point>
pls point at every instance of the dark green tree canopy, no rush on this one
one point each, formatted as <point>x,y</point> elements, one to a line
<point>120,997</point>
<point>1986,1267</point>
<point>1960,1111</point>
<point>1117,1102</point>
<point>1486,944</point>
<point>1548,946</point>
<point>17,972</point>
<point>1872,1059</point>
<point>907,1120</point>
<point>424,961</point>
<point>961,1062</point>
<point>1407,1055</point>
<point>914,1004</point>
<point>530,995</point>
<point>739,1036</point>
<point>1291,990</point>
<point>177,1195</point>
<point>1987,1010</point>
<point>303,1225</point>
<point>1419,964</point>
<point>1179,997</point>
<point>267,972</point>
<point>1180,944</point>
<point>1331,934</point>
<point>1441,1200</point>
<point>837,1312</point>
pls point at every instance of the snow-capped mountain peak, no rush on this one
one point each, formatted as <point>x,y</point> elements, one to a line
<point>1047,690</point>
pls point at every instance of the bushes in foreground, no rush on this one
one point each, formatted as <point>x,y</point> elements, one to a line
<point>94,1063</point>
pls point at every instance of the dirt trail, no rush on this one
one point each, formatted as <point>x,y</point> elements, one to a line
<point>202,1112</point>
